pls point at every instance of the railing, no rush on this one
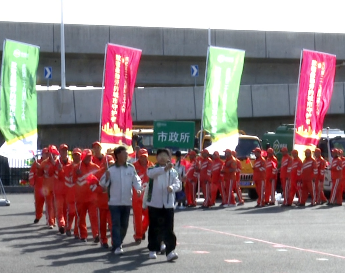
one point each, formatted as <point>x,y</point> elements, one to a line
<point>13,171</point>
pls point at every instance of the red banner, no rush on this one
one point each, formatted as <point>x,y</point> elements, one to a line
<point>314,96</point>
<point>121,66</point>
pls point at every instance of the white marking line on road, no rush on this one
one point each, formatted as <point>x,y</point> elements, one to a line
<point>267,242</point>
<point>201,252</point>
<point>322,259</point>
<point>281,249</point>
<point>248,242</point>
<point>232,261</point>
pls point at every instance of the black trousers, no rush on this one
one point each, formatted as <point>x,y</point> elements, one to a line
<point>161,228</point>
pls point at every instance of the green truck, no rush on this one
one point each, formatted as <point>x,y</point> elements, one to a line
<point>283,137</point>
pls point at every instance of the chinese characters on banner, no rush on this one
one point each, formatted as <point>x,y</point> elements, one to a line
<point>121,66</point>
<point>173,134</point>
<point>314,97</point>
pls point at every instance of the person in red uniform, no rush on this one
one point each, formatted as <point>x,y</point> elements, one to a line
<point>229,172</point>
<point>321,166</point>
<point>342,157</point>
<point>259,176</point>
<point>336,171</point>
<point>49,166</point>
<point>217,179</point>
<point>86,200</point>
<point>271,174</point>
<point>101,160</point>
<point>309,173</point>
<point>36,181</point>
<point>285,167</point>
<point>205,177</point>
<point>60,189</point>
<point>191,179</point>
<point>295,177</point>
<point>140,215</point>
<point>68,172</point>
<point>238,178</point>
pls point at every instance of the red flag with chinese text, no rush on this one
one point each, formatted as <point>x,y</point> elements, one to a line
<point>121,66</point>
<point>314,97</point>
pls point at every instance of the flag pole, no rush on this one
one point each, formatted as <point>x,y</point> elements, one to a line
<point>101,110</point>
<point>299,76</point>
<point>63,71</point>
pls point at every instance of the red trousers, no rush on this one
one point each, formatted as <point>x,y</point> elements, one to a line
<point>71,215</point>
<point>190,189</point>
<point>229,191</point>
<point>337,192</point>
<point>206,190</point>
<point>104,219</point>
<point>294,188</point>
<point>140,217</point>
<point>60,209</point>
<point>320,195</point>
<point>215,187</point>
<point>238,192</point>
<point>260,190</point>
<point>91,208</point>
<point>308,186</point>
<point>270,190</point>
<point>286,185</point>
<point>39,202</point>
<point>50,208</point>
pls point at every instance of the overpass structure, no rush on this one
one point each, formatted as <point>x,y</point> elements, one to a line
<point>165,88</point>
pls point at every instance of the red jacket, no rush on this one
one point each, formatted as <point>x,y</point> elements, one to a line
<point>229,169</point>
<point>336,168</point>
<point>259,169</point>
<point>321,165</point>
<point>59,185</point>
<point>36,175</point>
<point>102,162</point>
<point>192,171</point>
<point>205,169</point>
<point>271,167</point>
<point>285,166</point>
<point>217,166</point>
<point>309,169</point>
<point>296,167</point>
<point>142,171</point>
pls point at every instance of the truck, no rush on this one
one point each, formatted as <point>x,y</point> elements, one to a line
<point>283,137</point>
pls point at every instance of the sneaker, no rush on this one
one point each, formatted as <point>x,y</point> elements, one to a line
<point>105,245</point>
<point>118,251</point>
<point>137,241</point>
<point>62,230</point>
<point>163,248</point>
<point>152,255</point>
<point>68,233</point>
<point>240,204</point>
<point>83,240</point>
<point>172,256</point>
<point>36,221</point>
<point>96,241</point>
<point>51,227</point>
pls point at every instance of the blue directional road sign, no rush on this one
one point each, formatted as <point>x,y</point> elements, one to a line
<point>194,70</point>
<point>48,72</point>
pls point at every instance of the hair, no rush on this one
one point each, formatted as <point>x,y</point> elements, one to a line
<point>178,153</point>
<point>159,151</point>
<point>119,150</point>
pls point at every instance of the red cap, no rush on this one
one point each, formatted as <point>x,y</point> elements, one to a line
<point>334,150</point>
<point>192,153</point>
<point>308,150</point>
<point>234,153</point>
<point>270,151</point>
<point>76,151</point>
<point>227,150</point>
<point>257,150</point>
<point>53,150</point>
<point>96,143</point>
<point>63,146</point>
<point>143,152</point>
<point>294,152</point>
<point>45,150</point>
<point>87,152</point>
<point>317,150</point>
<point>216,153</point>
<point>204,151</point>
<point>341,151</point>
<point>284,149</point>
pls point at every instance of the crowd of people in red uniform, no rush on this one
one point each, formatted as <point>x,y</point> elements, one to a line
<point>70,188</point>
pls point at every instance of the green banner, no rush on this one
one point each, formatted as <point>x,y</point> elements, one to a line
<point>18,113</point>
<point>223,78</point>
<point>173,134</point>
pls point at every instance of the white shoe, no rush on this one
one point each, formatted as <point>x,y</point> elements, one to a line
<point>118,251</point>
<point>163,248</point>
<point>182,207</point>
<point>152,255</point>
<point>172,256</point>
<point>51,227</point>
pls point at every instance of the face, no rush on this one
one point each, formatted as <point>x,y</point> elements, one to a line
<point>191,157</point>
<point>204,155</point>
<point>45,156</point>
<point>215,156</point>
<point>227,154</point>
<point>334,154</point>
<point>97,149</point>
<point>163,158</point>
<point>87,159</point>
<point>122,157</point>
<point>143,160</point>
<point>63,153</point>
<point>307,154</point>
<point>294,155</point>
<point>257,154</point>
<point>317,154</point>
<point>76,158</point>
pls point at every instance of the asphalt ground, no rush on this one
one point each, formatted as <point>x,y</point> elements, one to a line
<point>239,239</point>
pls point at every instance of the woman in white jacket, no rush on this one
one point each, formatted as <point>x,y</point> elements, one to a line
<point>163,184</point>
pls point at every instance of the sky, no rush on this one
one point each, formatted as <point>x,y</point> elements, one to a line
<point>265,15</point>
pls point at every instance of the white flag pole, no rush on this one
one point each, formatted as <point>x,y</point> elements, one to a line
<point>101,110</point>
<point>299,76</point>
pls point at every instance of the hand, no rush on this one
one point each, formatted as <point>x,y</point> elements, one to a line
<point>169,189</point>
<point>138,193</point>
<point>168,167</point>
<point>78,172</point>
<point>107,175</point>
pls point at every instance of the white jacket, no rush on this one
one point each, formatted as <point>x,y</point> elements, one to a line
<point>161,180</point>
<point>122,179</point>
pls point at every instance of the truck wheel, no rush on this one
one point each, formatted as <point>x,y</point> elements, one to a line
<point>252,194</point>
